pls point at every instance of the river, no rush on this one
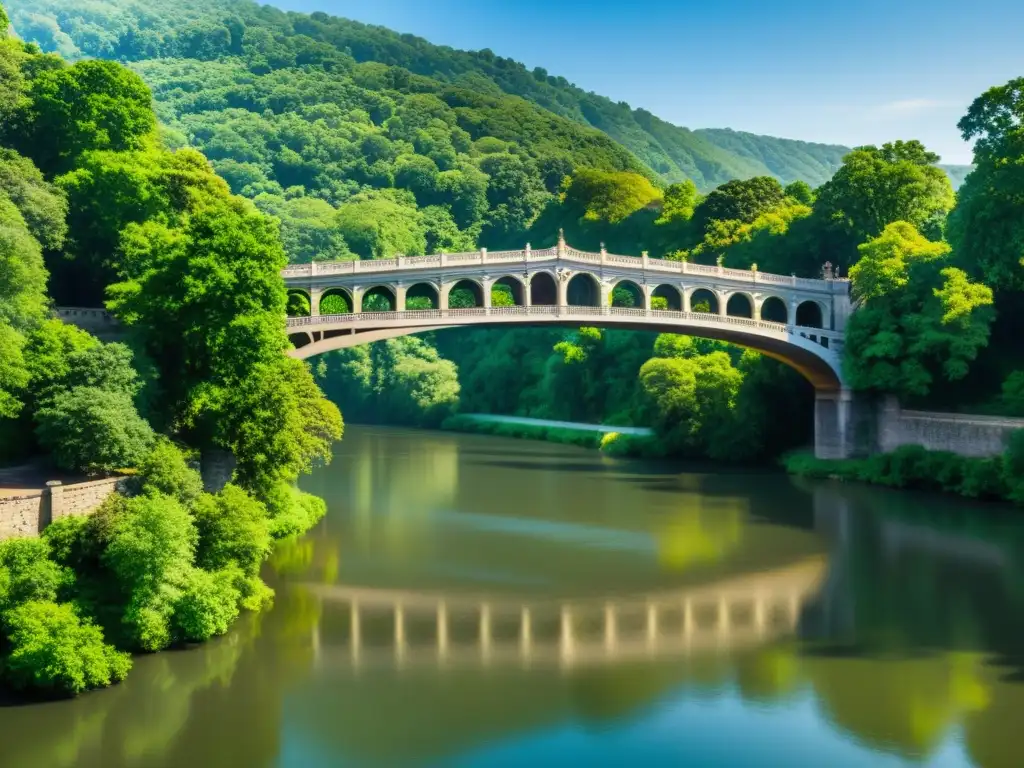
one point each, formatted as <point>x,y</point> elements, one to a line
<point>479,601</point>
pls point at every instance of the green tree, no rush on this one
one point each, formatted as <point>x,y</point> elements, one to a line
<point>920,320</point>
<point>738,200</point>
<point>91,105</point>
<point>93,430</point>
<point>608,196</point>
<point>879,186</point>
<point>985,229</point>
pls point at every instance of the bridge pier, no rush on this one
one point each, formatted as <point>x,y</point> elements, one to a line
<point>845,425</point>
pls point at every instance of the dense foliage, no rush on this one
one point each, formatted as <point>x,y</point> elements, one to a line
<point>93,202</point>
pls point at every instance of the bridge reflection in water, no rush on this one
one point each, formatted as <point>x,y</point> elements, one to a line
<point>416,629</point>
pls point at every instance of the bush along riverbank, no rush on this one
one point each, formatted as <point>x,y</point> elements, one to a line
<point>998,478</point>
<point>612,443</point>
<point>163,565</point>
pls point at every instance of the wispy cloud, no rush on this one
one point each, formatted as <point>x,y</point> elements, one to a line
<point>904,107</point>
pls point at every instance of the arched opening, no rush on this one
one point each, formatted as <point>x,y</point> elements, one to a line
<point>380,298</point>
<point>627,295</point>
<point>739,305</point>
<point>507,292</point>
<point>421,296</point>
<point>336,301</point>
<point>583,291</point>
<point>703,300</point>
<point>298,304</point>
<point>465,294</point>
<point>808,315</point>
<point>543,291</point>
<point>666,298</point>
<point>773,310</point>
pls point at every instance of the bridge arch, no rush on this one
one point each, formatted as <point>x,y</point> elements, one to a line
<point>335,301</point>
<point>810,314</point>
<point>505,288</point>
<point>702,300</point>
<point>543,289</point>
<point>465,294</point>
<point>299,303</point>
<point>775,310</point>
<point>422,296</point>
<point>740,304</point>
<point>627,294</point>
<point>583,290</point>
<point>378,298</point>
<point>672,296</point>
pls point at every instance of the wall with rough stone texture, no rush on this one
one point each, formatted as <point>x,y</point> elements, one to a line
<point>958,433</point>
<point>27,515</point>
<point>21,515</point>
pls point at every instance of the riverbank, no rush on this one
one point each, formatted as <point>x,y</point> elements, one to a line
<point>911,467</point>
<point>617,441</point>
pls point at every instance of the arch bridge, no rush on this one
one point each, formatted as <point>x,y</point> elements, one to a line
<point>798,321</point>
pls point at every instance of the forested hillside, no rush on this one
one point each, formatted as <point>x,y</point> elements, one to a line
<point>135,30</point>
<point>364,143</point>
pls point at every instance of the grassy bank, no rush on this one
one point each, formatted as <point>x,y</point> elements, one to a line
<point>612,443</point>
<point>998,478</point>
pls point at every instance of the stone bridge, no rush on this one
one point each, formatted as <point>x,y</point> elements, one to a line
<point>798,321</point>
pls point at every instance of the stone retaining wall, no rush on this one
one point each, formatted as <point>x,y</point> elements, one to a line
<point>28,514</point>
<point>963,434</point>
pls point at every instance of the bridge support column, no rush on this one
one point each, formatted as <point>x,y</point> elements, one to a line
<point>314,301</point>
<point>687,306</point>
<point>400,290</point>
<point>723,303</point>
<point>845,426</point>
<point>485,291</point>
<point>563,292</point>
<point>357,299</point>
<point>444,295</point>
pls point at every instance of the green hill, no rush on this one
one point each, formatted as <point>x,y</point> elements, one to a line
<point>134,30</point>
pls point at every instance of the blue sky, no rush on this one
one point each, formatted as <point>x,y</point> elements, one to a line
<point>854,72</point>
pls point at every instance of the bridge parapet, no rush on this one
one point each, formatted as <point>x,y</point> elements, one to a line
<point>302,273</point>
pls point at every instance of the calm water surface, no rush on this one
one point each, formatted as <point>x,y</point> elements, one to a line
<point>475,601</point>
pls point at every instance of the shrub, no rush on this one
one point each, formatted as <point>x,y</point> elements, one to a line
<point>165,470</point>
<point>151,551</point>
<point>27,573</point>
<point>291,511</point>
<point>53,649</point>
<point>233,529</point>
<point>207,605</point>
<point>93,430</point>
<point>1013,467</point>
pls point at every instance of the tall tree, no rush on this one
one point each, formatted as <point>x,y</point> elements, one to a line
<point>987,226</point>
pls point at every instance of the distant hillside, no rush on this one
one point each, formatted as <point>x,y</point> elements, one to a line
<point>211,29</point>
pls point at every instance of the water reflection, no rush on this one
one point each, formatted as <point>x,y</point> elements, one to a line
<point>454,612</point>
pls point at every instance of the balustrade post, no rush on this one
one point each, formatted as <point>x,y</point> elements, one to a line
<point>483,255</point>
<point>652,625</point>
<point>485,630</point>
<point>355,636</point>
<point>610,628</point>
<point>604,255</point>
<point>565,638</point>
<point>444,258</point>
<point>528,251</point>
<point>561,248</point>
<point>312,269</point>
<point>525,633</point>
